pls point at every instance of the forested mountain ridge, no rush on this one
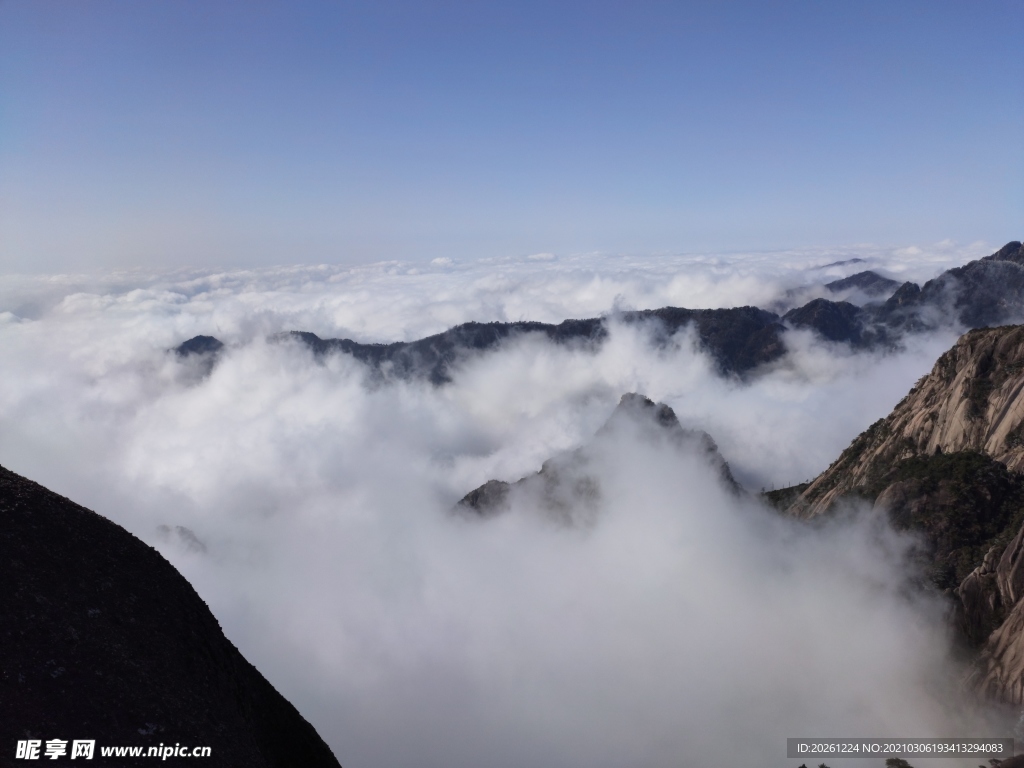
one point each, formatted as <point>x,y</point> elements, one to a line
<point>739,340</point>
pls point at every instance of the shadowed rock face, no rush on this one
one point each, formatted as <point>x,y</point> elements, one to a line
<point>834,320</point>
<point>984,292</point>
<point>963,505</point>
<point>567,488</point>
<point>487,500</point>
<point>103,639</point>
<point>201,353</point>
<point>992,589</point>
<point>199,345</point>
<point>738,340</point>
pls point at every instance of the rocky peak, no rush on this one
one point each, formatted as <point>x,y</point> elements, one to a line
<point>1012,251</point>
<point>640,409</point>
<point>199,345</point>
<point>565,484</point>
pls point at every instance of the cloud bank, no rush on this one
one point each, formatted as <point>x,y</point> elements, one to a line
<point>683,626</point>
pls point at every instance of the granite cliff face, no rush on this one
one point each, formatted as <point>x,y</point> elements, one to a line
<point>103,639</point>
<point>948,462</point>
<point>973,400</point>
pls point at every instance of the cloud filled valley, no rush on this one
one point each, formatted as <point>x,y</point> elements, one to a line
<point>311,504</point>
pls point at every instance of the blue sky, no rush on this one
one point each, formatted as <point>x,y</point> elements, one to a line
<point>181,132</point>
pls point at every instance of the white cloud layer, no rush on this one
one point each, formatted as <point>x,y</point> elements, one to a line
<point>684,627</point>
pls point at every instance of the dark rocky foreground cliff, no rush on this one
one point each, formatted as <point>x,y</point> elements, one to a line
<point>948,463</point>
<point>739,340</point>
<point>101,638</point>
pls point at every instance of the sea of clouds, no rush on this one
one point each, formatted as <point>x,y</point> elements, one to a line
<point>682,626</point>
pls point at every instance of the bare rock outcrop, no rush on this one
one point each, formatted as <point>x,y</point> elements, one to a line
<point>989,592</point>
<point>999,671</point>
<point>981,608</point>
<point>990,599</point>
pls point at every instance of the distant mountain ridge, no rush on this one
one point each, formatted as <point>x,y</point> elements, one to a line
<point>869,282</point>
<point>984,292</point>
<point>738,339</point>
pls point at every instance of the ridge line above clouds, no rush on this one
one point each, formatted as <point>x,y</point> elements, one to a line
<point>740,339</point>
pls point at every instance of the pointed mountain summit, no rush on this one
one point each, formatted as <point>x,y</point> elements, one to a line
<point>566,485</point>
<point>870,283</point>
<point>199,345</point>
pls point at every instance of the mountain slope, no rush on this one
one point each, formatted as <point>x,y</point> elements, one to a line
<point>988,291</point>
<point>103,639</point>
<point>973,399</point>
<point>948,462</point>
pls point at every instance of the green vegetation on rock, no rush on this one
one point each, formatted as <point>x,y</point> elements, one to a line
<point>782,498</point>
<point>963,503</point>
